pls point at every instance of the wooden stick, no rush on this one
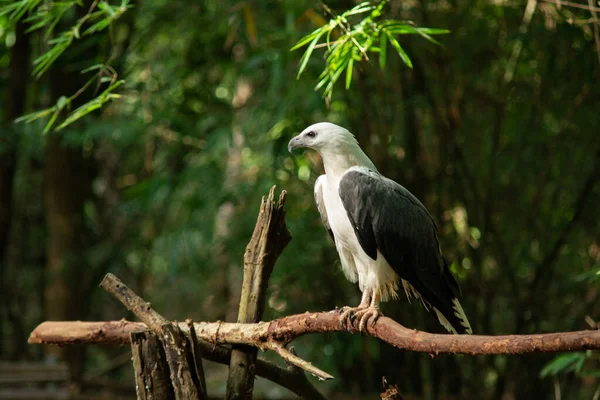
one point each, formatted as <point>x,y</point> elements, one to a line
<point>133,303</point>
<point>196,351</point>
<point>152,379</point>
<point>293,359</point>
<point>269,239</point>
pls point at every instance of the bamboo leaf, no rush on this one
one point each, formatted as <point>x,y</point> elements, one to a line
<point>51,121</point>
<point>349,73</point>
<point>92,105</point>
<point>563,363</point>
<point>11,7</point>
<point>426,36</point>
<point>399,49</point>
<point>434,31</point>
<point>27,118</point>
<point>307,54</point>
<point>359,9</point>
<point>93,68</point>
<point>306,39</point>
<point>382,50</point>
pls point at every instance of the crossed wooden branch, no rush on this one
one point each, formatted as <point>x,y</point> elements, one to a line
<point>276,334</point>
<point>269,239</point>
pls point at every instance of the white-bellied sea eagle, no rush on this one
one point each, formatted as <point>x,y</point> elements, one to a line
<point>384,235</point>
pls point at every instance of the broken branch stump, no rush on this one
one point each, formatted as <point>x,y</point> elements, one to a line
<point>269,239</point>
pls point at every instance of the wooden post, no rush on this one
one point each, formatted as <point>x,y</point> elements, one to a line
<point>269,239</point>
<point>181,363</point>
<point>150,366</point>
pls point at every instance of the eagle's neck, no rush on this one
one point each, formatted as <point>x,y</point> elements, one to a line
<point>338,159</point>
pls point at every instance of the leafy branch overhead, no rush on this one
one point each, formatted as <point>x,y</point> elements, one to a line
<point>347,42</point>
<point>46,16</point>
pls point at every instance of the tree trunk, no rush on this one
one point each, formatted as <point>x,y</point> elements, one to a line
<point>15,106</point>
<point>65,192</point>
<point>68,181</point>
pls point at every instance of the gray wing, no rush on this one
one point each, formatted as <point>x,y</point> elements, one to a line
<point>320,184</point>
<point>388,218</point>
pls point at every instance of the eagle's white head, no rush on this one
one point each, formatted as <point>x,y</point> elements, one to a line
<point>336,145</point>
<point>323,136</point>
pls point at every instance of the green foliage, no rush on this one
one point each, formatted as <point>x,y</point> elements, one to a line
<point>64,103</point>
<point>581,364</point>
<point>571,362</point>
<point>47,15</point>
<point>176,167</point>
<point>354,40</point>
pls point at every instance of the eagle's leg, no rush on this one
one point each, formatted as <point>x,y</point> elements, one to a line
<point>372,312</point>
<point>348,312</point>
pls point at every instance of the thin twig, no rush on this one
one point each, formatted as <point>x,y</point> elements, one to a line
<point>574,5</point>
<point>133,303</point>
<point>347,31</point>
<point>86,16</point>
<point>518,46</point>
<point>596,27</point>
<point>297,361</point>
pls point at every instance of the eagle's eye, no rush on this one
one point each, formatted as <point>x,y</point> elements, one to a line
<point>311,134</point>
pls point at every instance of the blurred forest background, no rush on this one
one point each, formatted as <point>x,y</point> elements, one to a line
<point>497,132</point>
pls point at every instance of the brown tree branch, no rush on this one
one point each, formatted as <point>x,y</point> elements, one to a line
<point>134,303</point>
<point>286,329</point>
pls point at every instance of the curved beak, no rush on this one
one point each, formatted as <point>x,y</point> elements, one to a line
<point>295,143</point>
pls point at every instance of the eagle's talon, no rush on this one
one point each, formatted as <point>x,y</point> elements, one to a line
<point>365,315</point>
<point>349,315</point>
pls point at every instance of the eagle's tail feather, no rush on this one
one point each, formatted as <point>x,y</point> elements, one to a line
<point>460,322</point>
<point>460,314</point>
<point>445,323</point>
<point>451,316</point>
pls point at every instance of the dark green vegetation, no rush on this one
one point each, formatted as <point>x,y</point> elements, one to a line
<point>497,132</point>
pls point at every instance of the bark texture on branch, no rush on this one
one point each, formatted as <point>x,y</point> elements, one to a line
<point>269,239</point>
<point>133,303</point>
<point>184,378</point>
<point>66,333</point>
<point>288,328</point>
